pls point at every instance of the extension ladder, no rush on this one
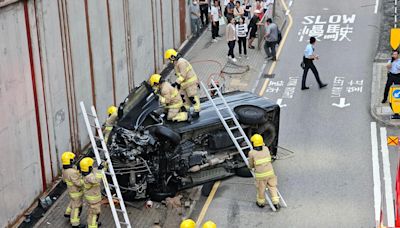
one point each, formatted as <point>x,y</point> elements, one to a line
<point>229,129</point>
<point>110,172</point>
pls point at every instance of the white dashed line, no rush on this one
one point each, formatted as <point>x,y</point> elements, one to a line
<point>376,173</point>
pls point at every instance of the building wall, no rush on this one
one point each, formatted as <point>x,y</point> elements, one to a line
<point>56,53</point>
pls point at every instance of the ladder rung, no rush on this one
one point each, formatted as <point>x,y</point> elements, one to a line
<point>97,137</point>
<point>90,115</point>
<point>212,89</point>
<point>233,128</point>
<point>227,118</point>
<point>124,223</point>
<point>246,147</point>
<point>119,210</point>
<point>116,198</point>
<point>223,108</point>
<point>108,173</point>
<point>112,186</point>
<point>93,125</point>
<point>240,137</point>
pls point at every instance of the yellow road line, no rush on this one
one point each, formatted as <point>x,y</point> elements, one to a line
<point>263,88</point>
<point>278,53</point>
<point>207,204</point>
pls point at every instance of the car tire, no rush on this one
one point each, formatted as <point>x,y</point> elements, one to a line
<point>206,189</point>
<point>250,114</point>
<point>160,196</point>
<point>167,134</point>
<point>243,172</point>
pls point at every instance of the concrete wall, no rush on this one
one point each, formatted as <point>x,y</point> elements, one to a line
<point>56,53</point>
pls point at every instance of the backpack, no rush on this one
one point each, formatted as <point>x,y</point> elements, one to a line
<point>279,36</point>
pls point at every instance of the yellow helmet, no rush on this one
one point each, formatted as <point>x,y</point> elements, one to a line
<point>257,140</point>
<point>209,224</point>
<point>155,78</point>
<point>169,53</point>
<point>66,157</point>
<point>85,164</point>
<point>188,223</point>
<point>112,109</point>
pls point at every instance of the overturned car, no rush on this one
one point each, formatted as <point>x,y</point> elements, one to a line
<point>156,158</point>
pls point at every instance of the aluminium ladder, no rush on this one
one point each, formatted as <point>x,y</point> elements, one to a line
<point>111,173</point>
<point>229,129</point>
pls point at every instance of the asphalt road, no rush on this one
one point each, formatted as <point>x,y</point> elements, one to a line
<point>329,182</point>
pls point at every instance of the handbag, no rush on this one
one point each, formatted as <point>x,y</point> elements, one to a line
<point>221,21</point>
<point>302,65</point>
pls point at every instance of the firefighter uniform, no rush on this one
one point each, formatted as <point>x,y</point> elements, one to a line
<point>92,179</point>
<point>110,122</point>
<point>169,97</point>
<point>260,161</point>
<point>73,179</point>
<point>187,80</point>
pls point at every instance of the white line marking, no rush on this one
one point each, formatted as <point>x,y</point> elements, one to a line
<point>290,3</point>
<point>387,178</point>
<point>287,12</point>
<point>279,102</point>
<point>376,6</point>
<point>376,173</point>
<point>259,76</point>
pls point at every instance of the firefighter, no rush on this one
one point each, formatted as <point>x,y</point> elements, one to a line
<point>187,81</point>
<point>169,97</point>
<point>110,122</point>
<point>209,224</point>
<point>188,223</point>
<point>92,178</point>
<point>260,161</point>
<point>73,179</point>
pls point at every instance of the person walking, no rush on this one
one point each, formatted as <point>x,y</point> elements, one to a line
<point>260,161</point>
<point>214,17</point>
<point>186,81</point>
<point>252,28</point>
<point>169,97</point>
<point>231,38</point>
<point>204,12</point>
<point>92,178</point>
<point>393,75</point>
<point>241,33</point>
<point>271,39</point>
<point>308,59</point>
<point>195,18</point>
<point>74,181</point>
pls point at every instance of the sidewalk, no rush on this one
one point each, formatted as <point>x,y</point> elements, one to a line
<point>382,112</point>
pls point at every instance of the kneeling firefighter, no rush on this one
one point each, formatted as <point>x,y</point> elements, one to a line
<point>187,81</point>
<point>74,181</point>
<point>260,161</point>
<point>92,178</point>
<point>169,97</point>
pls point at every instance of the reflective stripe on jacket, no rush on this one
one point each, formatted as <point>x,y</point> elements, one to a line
<point>170,96</point>
<point>74,182</point>
<point>185,73</point>
<point>92,186</point>
<point>261,162</point>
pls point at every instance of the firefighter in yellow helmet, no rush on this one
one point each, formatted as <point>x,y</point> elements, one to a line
<point>169,97</point>
<point>187,81</point>
<point>92,178</point>
<point>112,118</point>
<point>188,223</point>
<point>209,224</point>
<point>260,161</point>
<point>73,179</point>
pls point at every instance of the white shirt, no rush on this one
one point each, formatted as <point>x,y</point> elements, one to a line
<point>308,52</point>
<point>215,13</point>
<point>395,69</point>
<point>241,30</point>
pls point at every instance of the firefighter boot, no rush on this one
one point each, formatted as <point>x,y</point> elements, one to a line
<point>260,205</point>
<point>277,207</point>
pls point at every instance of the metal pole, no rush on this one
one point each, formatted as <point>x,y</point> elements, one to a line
<point>395,14</point>
<point>273,10</point>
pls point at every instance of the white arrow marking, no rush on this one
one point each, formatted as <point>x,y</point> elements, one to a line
<point>279,102</point>
<point>342,103</point>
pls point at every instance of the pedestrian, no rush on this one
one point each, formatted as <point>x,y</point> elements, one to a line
<point>169,97</point>
<point>228,13</point>
<point>247,9</point>
<point>241,33</point>
<point>92,178</point>
<point>195,18</point>
<point>308,59</point>
<point>271,39</point>
<point>110,122</point>
<point>204,12</point>
<point>252,28</point>
<point>214,18</point>
<point>268,8</point>
<point>186,81</point>
<point>393,75</point>
<point>259,7</point>
<point>238,12</point>
<point>231,38</point>
<point>74,181</point>
<point>260,161</point>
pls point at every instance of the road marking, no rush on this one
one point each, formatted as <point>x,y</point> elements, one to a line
<point>376,6</point>
<point>342,103</point>
<point>207,203</point>
<point>376,173</point>
<point>279,102</point>
<point>272,68</point>
<point>290,4</point>
<point>387,178</point>
<point>259,77</point>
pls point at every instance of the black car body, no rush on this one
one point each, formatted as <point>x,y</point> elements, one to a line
<point>153,157</point>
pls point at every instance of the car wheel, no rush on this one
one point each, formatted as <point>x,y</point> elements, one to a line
<point>206,189</point>
<point>243,172</point>
<point>167,134</point>
<point>250,114</point>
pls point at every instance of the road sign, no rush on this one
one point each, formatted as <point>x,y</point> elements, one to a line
<point>393,140</point>
<point>395,38</point>
<point>394,99</point>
